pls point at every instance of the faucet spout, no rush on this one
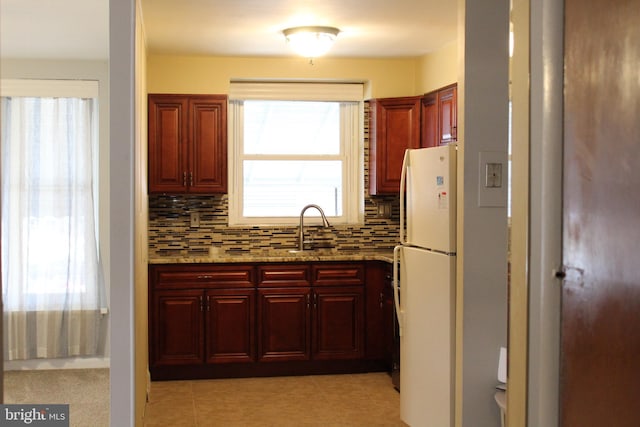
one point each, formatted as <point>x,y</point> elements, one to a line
<point>325,222</point>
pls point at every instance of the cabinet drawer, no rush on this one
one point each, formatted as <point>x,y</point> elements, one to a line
<point>337,274</point>
<point>202,276</point>
<point>284,275</point>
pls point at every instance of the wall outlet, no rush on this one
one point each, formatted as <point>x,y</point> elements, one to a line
<point>384,210</point>
<point>195,219</point>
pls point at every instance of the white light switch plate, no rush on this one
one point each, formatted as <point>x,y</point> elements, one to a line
<point>492,179</point>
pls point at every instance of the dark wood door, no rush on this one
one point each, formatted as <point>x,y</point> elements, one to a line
<point>284,324</point>
<point>168,130</point>
<point>208,144</point>
<point>600,335</point>
<point>394,126</point>
<point>177,328</point>
<point>338,323</point>
<point>230,325</point>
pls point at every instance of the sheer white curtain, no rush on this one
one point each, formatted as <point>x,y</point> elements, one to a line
<point>52,281</point>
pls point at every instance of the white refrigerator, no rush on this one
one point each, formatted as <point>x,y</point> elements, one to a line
<point>425,288</point>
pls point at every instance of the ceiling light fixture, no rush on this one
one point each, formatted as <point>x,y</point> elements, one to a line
<point>311,42</point>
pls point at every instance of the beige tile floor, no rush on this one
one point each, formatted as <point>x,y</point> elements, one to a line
<point>353,400</point>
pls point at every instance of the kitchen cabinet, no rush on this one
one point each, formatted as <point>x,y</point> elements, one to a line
<point>394,126</point>
<point>230,325</point>
<point>201,314</point>
<point>177,335</point>
<point>447,114</point>
<point>439,117</point>
<point>187,143</point>
<point>256,319</point>
<point>284,307</point>
<point>380,312</point>
<point>311,312</point>
<point>429,121</point>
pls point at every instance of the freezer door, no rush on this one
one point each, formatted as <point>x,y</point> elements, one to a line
<point>431,198</point>
<point>427,301</point>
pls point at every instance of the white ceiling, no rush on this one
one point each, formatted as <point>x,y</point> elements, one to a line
<point>371,28</point>
<point>54,29</point>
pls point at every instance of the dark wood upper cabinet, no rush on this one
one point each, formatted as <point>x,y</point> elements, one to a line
<point>429,121</point>
<point>187,143</point>
<point>439,117</point>
<point>394,126</point>
<point>448,114</point>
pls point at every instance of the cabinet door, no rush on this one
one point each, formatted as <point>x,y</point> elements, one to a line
<point>168,170</point>
<point>379,311</point>
<point>230,325</point>
<point>284,326</point>
<point>394,126</point>
<point>447,113</point>
<point>338,323</point>
<point>208,144</point>
<point>177,331</point>
<point>429,135</point>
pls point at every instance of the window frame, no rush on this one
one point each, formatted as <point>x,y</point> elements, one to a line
<point>350,97</point>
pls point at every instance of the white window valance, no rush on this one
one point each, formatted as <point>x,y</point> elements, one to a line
<point>296,91</point>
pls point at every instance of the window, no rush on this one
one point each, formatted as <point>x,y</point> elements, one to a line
<point>49,243</point>
<point>292,145</point>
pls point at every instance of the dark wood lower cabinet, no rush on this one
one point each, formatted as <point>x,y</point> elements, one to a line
<point>177,332</point>
<point>338,323</point>
<point>230,325</point>
<point>284,324</point>
<point>280,319</point>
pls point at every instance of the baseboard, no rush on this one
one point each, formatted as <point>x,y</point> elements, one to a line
<point>71,363</point>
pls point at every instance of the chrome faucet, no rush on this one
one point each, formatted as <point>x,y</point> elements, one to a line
<point>325,221</point>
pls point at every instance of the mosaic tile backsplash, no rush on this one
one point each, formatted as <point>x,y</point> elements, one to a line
<point>170,233</point>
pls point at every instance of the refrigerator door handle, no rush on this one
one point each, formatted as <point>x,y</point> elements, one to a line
<point>396,293</point>
<point>403,181</point>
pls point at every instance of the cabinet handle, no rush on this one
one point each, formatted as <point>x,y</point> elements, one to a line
<point>184,179</point>
<point>201,303</point>
<point>308,302</point>
<point>204,276</point>
<point>208,302</point>
<point>381,300</point>
<point>315,300</point>
<point>191,179</point>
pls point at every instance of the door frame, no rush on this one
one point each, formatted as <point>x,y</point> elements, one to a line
<point>545,223</point>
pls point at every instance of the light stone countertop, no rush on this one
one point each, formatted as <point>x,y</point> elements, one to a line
<point>280,255</point>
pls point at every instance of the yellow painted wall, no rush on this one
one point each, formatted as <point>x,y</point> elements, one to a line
<point>208,74</point>
<point>437,69</point>
<point>384,77</point>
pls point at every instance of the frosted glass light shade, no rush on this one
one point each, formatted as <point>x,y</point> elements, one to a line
<point>311,42</point>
